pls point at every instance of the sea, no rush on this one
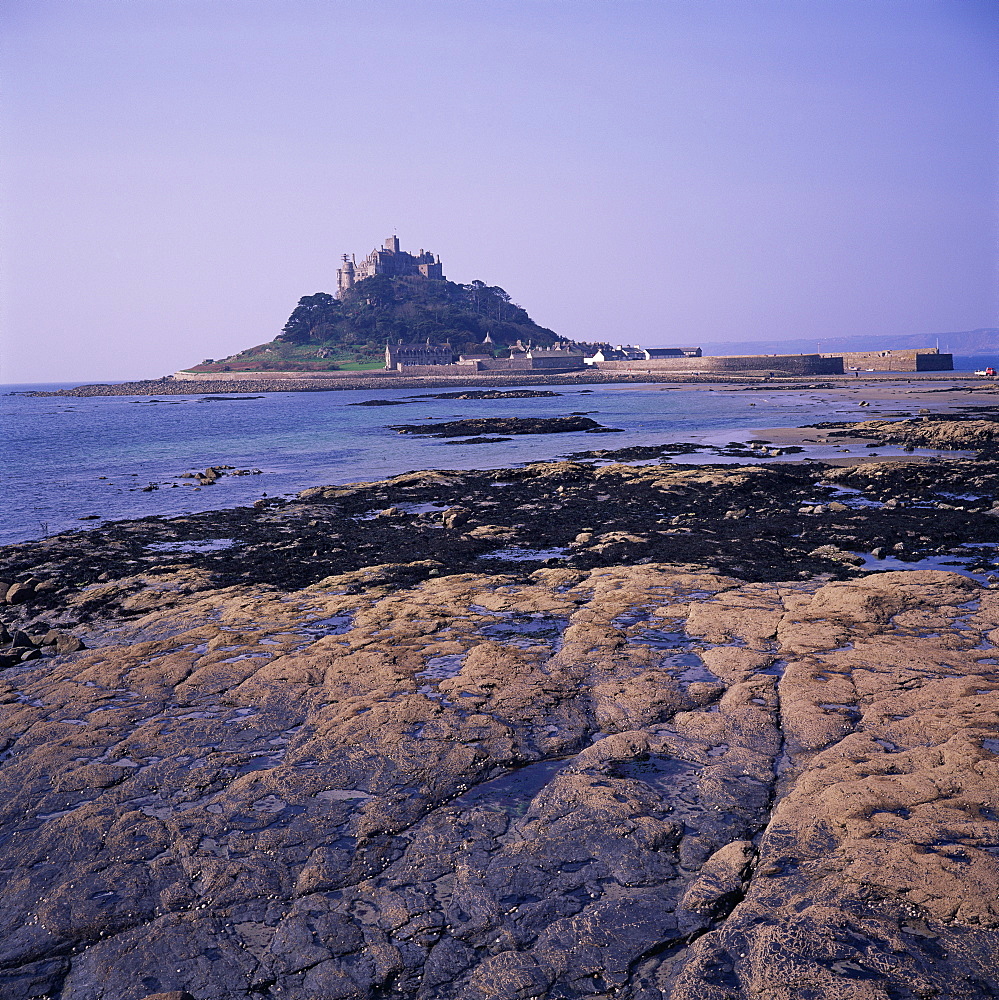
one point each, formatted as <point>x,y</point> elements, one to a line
<point>73,462</point>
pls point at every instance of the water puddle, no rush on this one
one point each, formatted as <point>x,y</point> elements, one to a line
<point>526,630</point>
<point>695,595</point>
<point>517,554</point>
<point>960,496</point>
<point>439,668</point>
<point>334,625</point>
<point>661,639</point>
<point>776,669</point>
<point>848,496</point>
<point>630,618</point>
<point>202,545</point>
<point>511,793</point>
<point>948,564</point>
<point>421,508</point>
<point>658,770</point>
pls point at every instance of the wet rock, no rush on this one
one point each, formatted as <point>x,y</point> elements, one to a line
<point>500,425</point>
<point>19,593</point>
<point>721,881</point>
<point>838,554</point>
<point>68,643</point>
<point>275,772</point>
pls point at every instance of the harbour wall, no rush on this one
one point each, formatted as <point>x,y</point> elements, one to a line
<point>778,364</point>
<point>919,360</point>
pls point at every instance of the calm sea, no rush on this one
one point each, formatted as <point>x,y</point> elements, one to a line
<point>69,458</point>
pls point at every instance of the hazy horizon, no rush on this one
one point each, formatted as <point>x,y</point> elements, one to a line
<point>177,175</point>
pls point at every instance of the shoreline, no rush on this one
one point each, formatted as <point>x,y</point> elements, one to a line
<point>174,386</point>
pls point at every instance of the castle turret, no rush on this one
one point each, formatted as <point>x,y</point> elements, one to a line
<point>345,276</point>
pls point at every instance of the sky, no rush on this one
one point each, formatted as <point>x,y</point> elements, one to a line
<point>178,173</point>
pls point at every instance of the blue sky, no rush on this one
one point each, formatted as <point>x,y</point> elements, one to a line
<point>179,172</point>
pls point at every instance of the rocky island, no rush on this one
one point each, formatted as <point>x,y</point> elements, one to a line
<point>575,729</point>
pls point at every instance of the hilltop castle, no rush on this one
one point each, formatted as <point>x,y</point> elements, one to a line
<point>388,260</point>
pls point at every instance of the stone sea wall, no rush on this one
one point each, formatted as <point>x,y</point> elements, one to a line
<point>900,361</point>
<point>777,364</point>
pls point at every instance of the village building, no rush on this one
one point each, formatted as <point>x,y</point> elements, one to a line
<point>402,355</point>
<point>633,352</point>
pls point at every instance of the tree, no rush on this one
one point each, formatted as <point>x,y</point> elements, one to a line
<point>313,314</point>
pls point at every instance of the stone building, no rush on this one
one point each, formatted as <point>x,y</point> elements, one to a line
<point>389,260</point>
<point>402,355</point>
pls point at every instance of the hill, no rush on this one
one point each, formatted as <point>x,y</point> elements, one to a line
<point>325,333</point>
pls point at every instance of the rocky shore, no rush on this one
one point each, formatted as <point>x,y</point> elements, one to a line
<point>578,729</point>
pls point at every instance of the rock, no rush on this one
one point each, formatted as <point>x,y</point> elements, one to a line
<point>838,554</point>
<point>488,784</point>
<point>68,643</point>
<point>456,517</point>
<point>721,879</point>
<point>30,654</point>
<point>500,425</point>
<point>19,593</point>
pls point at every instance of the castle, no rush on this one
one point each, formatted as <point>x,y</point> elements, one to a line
<point>388,260</point>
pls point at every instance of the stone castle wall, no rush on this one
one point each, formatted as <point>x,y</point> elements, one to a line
<point>783,364</point>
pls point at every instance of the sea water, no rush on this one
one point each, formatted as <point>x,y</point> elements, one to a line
<point>67,459</point>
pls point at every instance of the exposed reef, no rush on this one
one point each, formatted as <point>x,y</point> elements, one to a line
<point>558,731</point>
<point>974,431</point>
<point>503,425</point>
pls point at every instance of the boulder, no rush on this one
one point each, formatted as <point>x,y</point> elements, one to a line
<point>19,593</point>
<point>66,643</point>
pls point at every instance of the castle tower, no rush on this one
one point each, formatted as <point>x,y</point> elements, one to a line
<point>345,276</point>
<point>392,244</point>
